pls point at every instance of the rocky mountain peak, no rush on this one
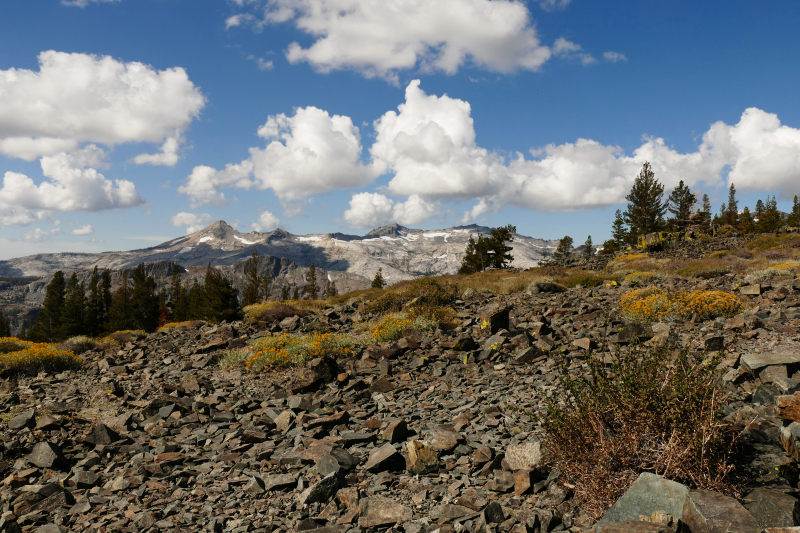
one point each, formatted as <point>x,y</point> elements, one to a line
<point>392,230</point>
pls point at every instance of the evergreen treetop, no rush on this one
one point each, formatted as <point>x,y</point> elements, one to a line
<point>377,281</point>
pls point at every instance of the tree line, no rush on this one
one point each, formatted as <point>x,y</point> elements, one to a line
<point>70,308</point>
<point>648,211</point>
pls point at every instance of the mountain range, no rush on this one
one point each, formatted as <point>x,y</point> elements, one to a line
<point>351,261</point>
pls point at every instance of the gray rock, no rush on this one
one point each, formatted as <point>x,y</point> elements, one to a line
<point>86,479</point>
<point>284,421</point>
<point>495,317</point>
<point>710,512</point>
<point>380,511</point>
<point>51,528</point>
<point>26,419</point>
<point>102,434</point>
<point>385,458</point>
<point>396,431</point>
<point>337,460</point>
<point>444,438</point>
<point>494,513</point>
<point>756,361</point>
<point>322,491</point>
<point>649,493</point>
<point>633,526</point>
<point>255,486</point>
<point>765,394</point>
<point>527,455</point>
<point>46,455</point>
<point>503,481</point>
<point>450,512</point>
<point>280,481</point>
<point>751,290</point>
<point>773,508</point>
<point>422,458</point>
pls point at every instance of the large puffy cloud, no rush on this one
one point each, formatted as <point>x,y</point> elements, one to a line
<point>368,210</point>
<point>380,38</point>
<point>309,153</point>
<point>78,98</point>
<point>73,186</point>
<point>192,221</point>
<point>266,222</point>
<point>429,148</point>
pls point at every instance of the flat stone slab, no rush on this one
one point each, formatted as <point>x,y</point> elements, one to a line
<point>757,361</point>
<point>773,508</point>
<point>633,526</point>
<point>648,494</point>
<point>711,512</point>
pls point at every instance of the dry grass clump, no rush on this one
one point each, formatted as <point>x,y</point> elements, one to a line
<point>649,411</point>
<point>775,271</point>
<point>418,293</point>
<point>652,304</point>
<point>273,312</point>
<point>363,294</point>
<point>769,241</point>
<point>392,327</point>
<point>290,350</point>
<point>185,325</point>
<point>25,357</point>
<point>82,343</point>
<point>701,268</point>
<point>128,335</point>
<point>638,279</point>
<point>584,279</point>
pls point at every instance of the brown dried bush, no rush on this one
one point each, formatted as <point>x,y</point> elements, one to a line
<point>276,313</point>
<point>648,411</point>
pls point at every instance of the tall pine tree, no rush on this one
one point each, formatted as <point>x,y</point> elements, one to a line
<point>794,216</point>
<point>312,291</point>
<point>679,204</point>
<point>377,281</point>
<point>119,314</point>
<point>143,304</point>
<point>48,324</point>
<point>646,209</point>
<point>5,325</point>
<point>251,290</point>
<point>588,250</point>
<point>72,319</point>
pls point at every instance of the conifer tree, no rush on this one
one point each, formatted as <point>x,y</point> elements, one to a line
<point>706,211</point>
<point>564,250</point>
<point>312,292</point>
<point>680,203</point>
<point>119,315</point>
<point>619,235</point>
<point>105,291</point>
<point>731,209</point>
<point>331,290</point>
<point>177,302</point>
<point>144,308</point>
<point>588,250</point>
<point>48,324</point>
<point>72,319</point>
<point>266,286</point>
<point>5,325</point>
<point>252,280</point>
<point>93,319</point>
<point>195,301</point>
<point>296,294</point>
<point>284,293</point>
<point>770,218</point>
<point>473,257</point>
<point>746,224</point>
<point>759,213</point>
<point>794,216</point>
<point>502,252</point>
<point>377,281</point>
<point>646,209</point>
<point>220,298</point>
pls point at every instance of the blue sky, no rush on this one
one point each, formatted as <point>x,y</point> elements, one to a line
<point>127,122</point>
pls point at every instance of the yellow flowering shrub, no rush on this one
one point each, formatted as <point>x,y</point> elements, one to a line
<point>392,327</point>
<point>289,350</point>
<point>24,357</point>
<point>641,278</point>
<point>168,327</point>
<point>653,304</point>
<point>783,269</point>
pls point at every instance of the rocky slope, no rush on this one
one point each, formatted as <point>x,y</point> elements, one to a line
<point>422,434</point>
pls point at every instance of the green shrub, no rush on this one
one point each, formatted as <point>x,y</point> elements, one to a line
<point>648,411</point>
<point>637,279</point>
<point>290,350</point>
<point>421,293</point>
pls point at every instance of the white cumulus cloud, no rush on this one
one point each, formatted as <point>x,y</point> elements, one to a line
<point>379,38</point>
<point>73,186</point>
<point>429,149</point>
<point>40,235</point>
<point>309,153</point>
<point>614,57</point>
<point>80,98</point>
<point>368,210</point>
<point>266,222</point>
<point>84,230</point>
<point>192,221</point>
<point>554,5</point>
